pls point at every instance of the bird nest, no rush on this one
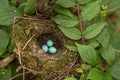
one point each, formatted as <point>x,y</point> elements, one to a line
<point>30,35</point>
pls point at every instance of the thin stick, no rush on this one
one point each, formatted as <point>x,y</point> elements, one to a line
<point>29,41</point>
<point>81,27</point>
<point>117,50</point>
<point>23,74</point>
<point>116,30</point>
<point>19,58</point>
<point>18,75</point>
<point>27,18</point>
<point>67,70</point>
<point>13,27</point>
<point>6,61</point>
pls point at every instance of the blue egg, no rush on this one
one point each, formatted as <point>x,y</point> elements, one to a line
<point>52,50</point>
<point>45,48</point>
<point>49,43</point>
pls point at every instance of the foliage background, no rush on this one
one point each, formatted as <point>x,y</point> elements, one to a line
<point>95,24</point>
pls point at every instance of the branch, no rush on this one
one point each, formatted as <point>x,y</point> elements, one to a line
<point>6,61</point>
<point>81,27</point>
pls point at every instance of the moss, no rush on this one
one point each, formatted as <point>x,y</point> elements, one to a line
<point>20,31</point>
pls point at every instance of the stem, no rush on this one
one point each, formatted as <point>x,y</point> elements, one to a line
<point>81,27</point>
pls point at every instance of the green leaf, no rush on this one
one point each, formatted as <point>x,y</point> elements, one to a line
<point>8,29</point>
<point>106,76</point>
<point>88,54</point>
<point>7,15</point>
<point>105,2</point>
<point>108,53</point>
<point>115,70</point>
<point>2,71</point>
<point>83,1</point>
<point>71,47</point>
<point>90,10</point>
<point>95,74</point>
<point>93,43</point>
<point>11,45</point>
<point>4,40</point>
<point>86,66</point>
<point>83,77</point>
<point>103,38</point>
<point>13,2</point>
<point>79,70</point>
<point>113,5</point>
<point>71,33</point>
<point>4,3</point>
<point>38,78</point>
<point>110,28</point>
<point>7,75</point>
<point>30,7</point>
<point>22,5</point>
<point>93,30</point>
<point>65,20</point>
<point>62,10</point>
<point>67,3</point>
<point>71,78</point>
<point>2,50</point>
<point>115,40</point>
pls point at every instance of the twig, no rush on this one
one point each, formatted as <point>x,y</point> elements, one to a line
<point>29,41</point>
<point>81,29</point>
<point>13,27</point>
<point>80,23</point>
<point>19,58</point>
<point>18,75</point>
<point>7,60</point>
<point>23,74</point>
<point>116,30</point>
<point>27,18</point>
<point>117,50</point>
<point>66,71</point>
